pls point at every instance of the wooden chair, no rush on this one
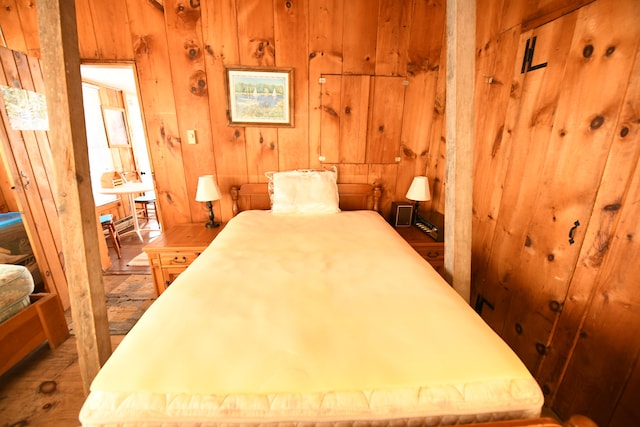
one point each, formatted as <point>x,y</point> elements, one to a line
<point>109,229</point>
<point>142,205</point>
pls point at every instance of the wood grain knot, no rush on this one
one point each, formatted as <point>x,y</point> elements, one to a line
<point>198,83</point>
<point>597,122</point>
<point>587,51</point>
<point>47,387</point>
<point>541,348</point>
<point>381,128</point>
<point>347,110</point>
<point>518,329</point>
<point>555,306</point>
<point>192,49</point>
<point>330,111</point>
<point>551,257</point>
<point>624,132</point>
<point>610,50</point>
<point>408,152</point>
<point>288,5</point>
<point>546,390</point>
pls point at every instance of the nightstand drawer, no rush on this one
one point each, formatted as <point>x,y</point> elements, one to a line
<point>431,253</point>
<point>174,250</point>
<point>168,259</point>
<point>423,244</point>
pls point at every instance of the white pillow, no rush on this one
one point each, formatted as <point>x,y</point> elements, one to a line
<point>304,192</point>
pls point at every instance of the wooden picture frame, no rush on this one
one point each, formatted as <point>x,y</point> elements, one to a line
<point>115,126</point>
<point>259,96</point>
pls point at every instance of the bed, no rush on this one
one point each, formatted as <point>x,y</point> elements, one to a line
<point>318,316</point>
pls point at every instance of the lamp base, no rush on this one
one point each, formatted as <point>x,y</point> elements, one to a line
<point>211,223</point>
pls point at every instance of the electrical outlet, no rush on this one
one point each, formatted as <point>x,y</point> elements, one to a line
<point>191,136</point>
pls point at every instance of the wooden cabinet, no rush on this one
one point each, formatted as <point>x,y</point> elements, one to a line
<point>174,250</point>
<point>426,246</point>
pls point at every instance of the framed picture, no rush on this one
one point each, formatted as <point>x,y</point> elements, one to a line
<point>115,125</point>
<point>259,96</point>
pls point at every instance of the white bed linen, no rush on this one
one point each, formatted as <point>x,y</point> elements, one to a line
<point>326,318</point>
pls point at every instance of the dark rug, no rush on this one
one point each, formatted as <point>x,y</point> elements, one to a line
<point>127,297</point>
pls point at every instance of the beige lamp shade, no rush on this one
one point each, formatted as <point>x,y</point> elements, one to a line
<point>207,189</point>
<point>419,189</point>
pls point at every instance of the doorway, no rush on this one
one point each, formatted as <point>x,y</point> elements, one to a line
<point>113,87</point>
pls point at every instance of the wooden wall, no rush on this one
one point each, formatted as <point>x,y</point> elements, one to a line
<point>556,145</point>
<point>27,175</point>
<point>181,48</point>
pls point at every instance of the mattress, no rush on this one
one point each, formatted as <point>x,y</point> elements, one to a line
<point>305,320</point>
<point>16,284</point>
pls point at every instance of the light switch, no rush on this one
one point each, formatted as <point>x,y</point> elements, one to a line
<point>191,136</point>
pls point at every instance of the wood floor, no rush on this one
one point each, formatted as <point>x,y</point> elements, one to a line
<point>45,389</point>
<point>130,247</point>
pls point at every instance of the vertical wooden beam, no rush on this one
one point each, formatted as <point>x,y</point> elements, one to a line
<point>73,193</point>
<point>461,42</point>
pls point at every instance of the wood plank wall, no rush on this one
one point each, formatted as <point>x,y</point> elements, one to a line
<point>556,182</point>
<point>27,162</point>
<point>180,50</point>
<point>554,145</point>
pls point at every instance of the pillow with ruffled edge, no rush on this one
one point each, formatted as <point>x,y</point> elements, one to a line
<point>304,191</point>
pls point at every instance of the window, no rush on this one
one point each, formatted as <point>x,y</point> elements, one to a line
<point>100,159</point>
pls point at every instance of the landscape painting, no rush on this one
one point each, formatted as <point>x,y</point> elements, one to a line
<point>260,97</point>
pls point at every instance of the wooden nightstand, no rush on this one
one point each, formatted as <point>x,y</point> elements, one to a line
<point>172,252</point>
<point>426,246</point>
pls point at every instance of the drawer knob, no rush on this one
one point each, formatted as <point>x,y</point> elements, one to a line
<point>433,254</point>
<point>181,260</point>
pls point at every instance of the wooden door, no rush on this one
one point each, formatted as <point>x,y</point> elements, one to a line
<point>27,157</point>
<point>557,157</point>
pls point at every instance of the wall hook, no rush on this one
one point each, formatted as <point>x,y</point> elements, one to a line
<point>26,178</point>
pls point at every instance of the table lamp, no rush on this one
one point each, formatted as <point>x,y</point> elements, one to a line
<point>419,192</point>
<point>207,192</point>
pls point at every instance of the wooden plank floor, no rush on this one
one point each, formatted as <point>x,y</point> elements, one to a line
<point>130,247</point>
<point>45,388</point>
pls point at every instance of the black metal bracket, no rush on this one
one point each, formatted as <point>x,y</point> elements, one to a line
<point>527,60</point>
<point>480,302</point>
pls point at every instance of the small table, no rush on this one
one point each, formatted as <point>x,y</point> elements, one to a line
<point>131,188</point>
<point>174,250</point>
